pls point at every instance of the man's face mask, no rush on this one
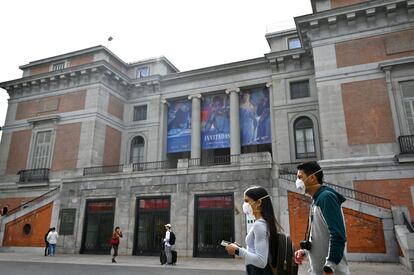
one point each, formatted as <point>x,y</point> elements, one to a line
<point>300,184</point>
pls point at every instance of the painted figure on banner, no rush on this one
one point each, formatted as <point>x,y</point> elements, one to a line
<point>255,117</point>
<point>179,126</point>
<point>215,122</point>
<point>248,122</point>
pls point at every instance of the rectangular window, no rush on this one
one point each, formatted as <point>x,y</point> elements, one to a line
<point>143,72</point>
<point>408,102</point>
<point>294,43</point>
<point>58,66</point>
<point>140,113</point>
<point>42,150</point>
<point>299,89</point>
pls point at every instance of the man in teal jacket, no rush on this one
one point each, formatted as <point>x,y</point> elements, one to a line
<point>327,234</point>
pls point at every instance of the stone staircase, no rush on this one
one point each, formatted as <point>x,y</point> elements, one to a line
<point>24,209</point>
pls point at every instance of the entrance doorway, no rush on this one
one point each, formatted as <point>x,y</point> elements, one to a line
<point>214,222</point>
<point>98,227</point>
<point>152,214</point>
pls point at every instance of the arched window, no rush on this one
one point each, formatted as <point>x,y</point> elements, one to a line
<point>304,138</point>
<point>137,150</point>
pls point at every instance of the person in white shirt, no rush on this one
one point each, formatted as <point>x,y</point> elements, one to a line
<point>167,245</point>
<point>52,238</point>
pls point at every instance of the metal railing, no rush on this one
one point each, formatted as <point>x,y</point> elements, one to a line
<point>34,175</point>
<point>33,201</point>
<point>97,170</point>
<point>407,223</point>
<point>155,165</point>
<point>288,171</point>
<point>406,144</point>
<point>213,161</point>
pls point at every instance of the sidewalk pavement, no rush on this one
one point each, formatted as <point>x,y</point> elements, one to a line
<point>362,268</point>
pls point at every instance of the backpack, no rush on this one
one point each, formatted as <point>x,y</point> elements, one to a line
<point>172,238</point>
<point>285,262</point>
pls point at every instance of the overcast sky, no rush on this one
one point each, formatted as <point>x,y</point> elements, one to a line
<point>190,33</point>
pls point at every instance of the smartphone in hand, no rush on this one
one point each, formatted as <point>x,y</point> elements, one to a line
<point>224,243</point>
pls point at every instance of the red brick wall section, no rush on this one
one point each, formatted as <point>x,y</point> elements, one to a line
<point>343,3</point>
<point>80,60</point>
<point>112,149</point>
<point>298,216</point>
<point>367,111</point>
<point>396,190</point>
<point>365,233</point>
<point>18,151</point>
<point>41,69</point>
<point>116,107</point>
<point>67,103</point>
<point>375,49</point>
<point>65,153</point>
<point>39,221</point>
<point>26,109</point>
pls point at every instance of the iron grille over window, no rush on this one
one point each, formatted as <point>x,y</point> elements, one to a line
<point>304,138</point>
<point>140,113</point>
<point>299,89</point>
<point>58,66</point>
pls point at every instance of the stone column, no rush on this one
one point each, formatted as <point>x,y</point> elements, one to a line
<point>395,111</point>
<point>234,121</point>
<point>195,126</point>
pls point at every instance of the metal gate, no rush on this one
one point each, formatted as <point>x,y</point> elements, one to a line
<point>152,215</point>
<point>214,222</point>
<point>98,226</point>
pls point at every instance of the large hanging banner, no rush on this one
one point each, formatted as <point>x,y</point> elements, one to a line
<point>255,117</point>
<point>215,122</point>
<point>179,126</point>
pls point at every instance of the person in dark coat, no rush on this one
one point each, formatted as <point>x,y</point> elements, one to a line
<point>47,243</point>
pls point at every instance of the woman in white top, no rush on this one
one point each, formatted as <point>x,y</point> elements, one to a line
<point>261,241</point>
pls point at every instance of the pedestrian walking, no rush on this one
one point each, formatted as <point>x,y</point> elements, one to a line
<point>325,235</point>
<point>115,242</point>
<point>47,243</point>
<point>261,241</point>
<point>52,238</point>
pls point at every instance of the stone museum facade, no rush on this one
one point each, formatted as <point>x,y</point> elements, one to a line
<point>92,142</point>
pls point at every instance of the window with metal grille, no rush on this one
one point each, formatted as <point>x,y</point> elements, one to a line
<point>140,112</point>
<point>137,150</point>
<point>58,66</point>
<point>407,88</point>
<point>294,43</point>
<point>42,150</point>
<point>299,89</point>
<point>304,138</point>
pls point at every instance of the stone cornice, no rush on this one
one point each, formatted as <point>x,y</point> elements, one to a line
<point>324,24</point>
<point>396,62</point>
<point>217,68</point>
<point>280,60</point>
<point>87,74</point>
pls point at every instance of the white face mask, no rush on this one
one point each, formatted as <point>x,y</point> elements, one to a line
<point>300,185</point>
<point>247,208</point>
